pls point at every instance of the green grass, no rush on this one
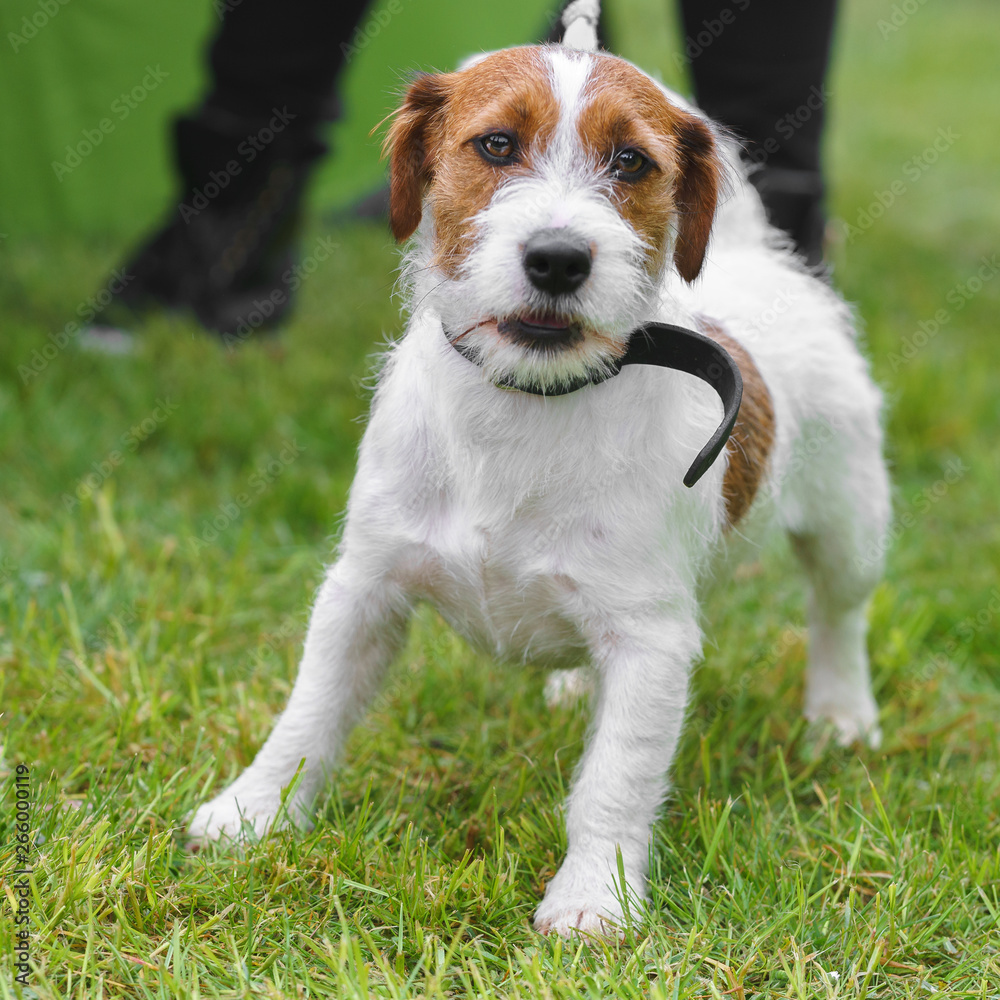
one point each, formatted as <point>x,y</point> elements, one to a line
<point>143,658</point>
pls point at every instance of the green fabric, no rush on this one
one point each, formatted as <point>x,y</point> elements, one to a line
<point>88,87</point>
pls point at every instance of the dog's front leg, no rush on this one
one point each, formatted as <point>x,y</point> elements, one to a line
<point>355,629</point>
<point>621,781</point>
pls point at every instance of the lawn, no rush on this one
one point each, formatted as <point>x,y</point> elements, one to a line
<point>150,626</point>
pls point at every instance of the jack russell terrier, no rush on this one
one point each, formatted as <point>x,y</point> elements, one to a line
<point>526,465</point>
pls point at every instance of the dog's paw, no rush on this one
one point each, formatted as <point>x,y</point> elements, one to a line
<point>242,814</point>
<point>564,688</point>
<point>857,724</point>
<point>581,903</point>
<point>581,918</point>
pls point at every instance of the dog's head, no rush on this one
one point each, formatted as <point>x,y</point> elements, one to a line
<point>559,186</point>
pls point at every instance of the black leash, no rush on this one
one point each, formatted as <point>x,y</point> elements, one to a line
<point>667,346</point>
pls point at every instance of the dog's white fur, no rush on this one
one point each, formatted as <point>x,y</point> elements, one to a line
<point>557,529</point>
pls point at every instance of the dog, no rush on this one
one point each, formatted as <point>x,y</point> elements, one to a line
<point>515,477</point>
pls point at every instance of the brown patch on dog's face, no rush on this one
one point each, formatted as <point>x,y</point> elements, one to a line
<point>435,151</point>
<point>749,447</point>
<point>434,147</point>
<point>626,110</point>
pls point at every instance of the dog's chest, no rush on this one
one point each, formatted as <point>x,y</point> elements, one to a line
<point>505,583</point>
<point>524,522</point>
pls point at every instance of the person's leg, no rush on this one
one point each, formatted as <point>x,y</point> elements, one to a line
<point>759,67</point>
<point>244,157</point>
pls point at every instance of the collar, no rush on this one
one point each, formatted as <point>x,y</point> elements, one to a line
<point>667,346</point>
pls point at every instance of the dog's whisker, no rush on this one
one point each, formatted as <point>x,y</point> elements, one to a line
<point>430,291</point>
<point>464,333</point>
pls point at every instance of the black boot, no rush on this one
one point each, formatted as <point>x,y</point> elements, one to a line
<point>225,250</point>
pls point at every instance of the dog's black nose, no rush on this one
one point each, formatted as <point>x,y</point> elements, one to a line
<point>556,262</point>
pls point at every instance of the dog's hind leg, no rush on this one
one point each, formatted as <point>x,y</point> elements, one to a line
<point>838,530</point>
<point>355,629</point>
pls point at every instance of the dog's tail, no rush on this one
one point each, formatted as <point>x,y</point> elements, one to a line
<point>580,25</point>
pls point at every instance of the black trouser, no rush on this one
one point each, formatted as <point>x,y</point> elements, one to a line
<point>759,66</point>
<point>267,57</point>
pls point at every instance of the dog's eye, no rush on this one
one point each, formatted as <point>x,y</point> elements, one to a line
<point>497,148</point>
<point>629,164</point>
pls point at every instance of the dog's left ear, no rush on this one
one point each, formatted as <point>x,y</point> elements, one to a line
<point>411,146</point>
<point>695,194</point>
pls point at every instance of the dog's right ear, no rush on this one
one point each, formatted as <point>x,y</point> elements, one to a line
<point>411,145</point>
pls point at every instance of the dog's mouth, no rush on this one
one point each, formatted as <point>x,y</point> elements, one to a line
<point>541,332</point>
